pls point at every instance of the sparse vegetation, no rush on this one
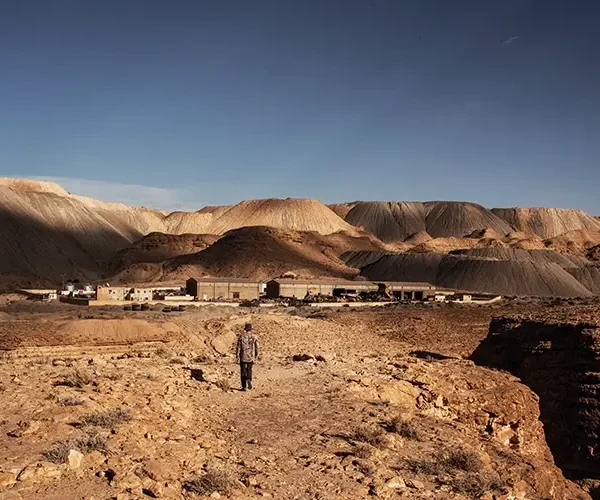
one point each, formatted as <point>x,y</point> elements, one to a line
<point>108,419</point>
<point>367,467</point>
<point>45,360</point>
<point>464,460</point>
<point>201,358</point>
<point>446,463</point>
<point>404,428</point>
<point>375,436</point>
<point>84,444</point>
<point>363,450</point>
<point>223,384</point>
<point>77,378</point>
<point>163,352</point>
<point>70,401</point>
<point>211,480</point>
<point>477,485</point>
<point>178,360</point>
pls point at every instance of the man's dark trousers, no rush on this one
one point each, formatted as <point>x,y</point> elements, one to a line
<point>246,374</point>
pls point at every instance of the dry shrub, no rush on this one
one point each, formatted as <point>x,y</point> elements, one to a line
<point>201,358</point>
<point>363,450</point>
<point>163,352</point>
<point>467,461</point>
<point>366,467</point>
<point>110,418</point>
<point>404,428</point>
<point>478,485</point>
<point>178,361</point>
<point>5,356</point>
<point>375,436</point>
<point>77,378</point>
<point>84,444</point>
<point>211,480</point>
<point>223,384</point>
<point>70,401</point>
<point>40,361</point>
<point>450,462</point>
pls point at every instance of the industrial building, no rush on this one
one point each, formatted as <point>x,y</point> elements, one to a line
<point>301,288</point>
<point>284,287</point>
<point>141,294</point>
<point>223,288</point>
<point>110,293</point>
<point>408,290</point>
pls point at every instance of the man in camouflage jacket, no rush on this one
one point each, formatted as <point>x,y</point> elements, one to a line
<point>246,353</point>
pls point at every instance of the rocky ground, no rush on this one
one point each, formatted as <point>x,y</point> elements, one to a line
<point>341,409</point>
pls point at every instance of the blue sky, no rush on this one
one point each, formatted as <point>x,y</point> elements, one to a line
<point>181,104</point>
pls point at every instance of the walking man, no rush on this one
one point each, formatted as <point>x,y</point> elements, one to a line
<point>246,353</point>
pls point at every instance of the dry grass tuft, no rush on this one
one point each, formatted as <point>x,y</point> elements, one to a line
<point>363,450</point>
<point>448,463</point>
<point>375,436</point>
<point>202,358</point>
<point>467,461</point>
<point>77,379</point>
<point>109,419</point>
<point>477,485</point>
<point>70,401</point>
<point>212,480</point>
<point>404,428</point>
<point>223,384</point>
<point>84,444</point>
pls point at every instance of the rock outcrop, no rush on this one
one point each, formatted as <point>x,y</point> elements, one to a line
<point>559,358</point>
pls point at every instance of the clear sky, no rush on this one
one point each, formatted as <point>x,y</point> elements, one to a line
<point>179,104</point>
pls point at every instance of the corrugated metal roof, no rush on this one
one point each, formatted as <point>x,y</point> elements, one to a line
<point>332,282</point>
<point>225,280</point>
<point>355,283</point>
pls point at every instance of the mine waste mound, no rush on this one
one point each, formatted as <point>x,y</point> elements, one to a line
<point>398,221</point>
<point>479,270</point>
<point>559,358</point>
<point>264,252</point>
<point>547,222</point>
<point>47,234</point>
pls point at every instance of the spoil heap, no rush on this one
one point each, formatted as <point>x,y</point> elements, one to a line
<point>547,222</point>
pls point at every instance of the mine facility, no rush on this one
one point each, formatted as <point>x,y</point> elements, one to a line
<point>235,291</point>
<point>343,288</point>
<point>204,289</point>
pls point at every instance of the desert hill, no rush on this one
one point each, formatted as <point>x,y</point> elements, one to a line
<point>294,214</point>
<point>397,221</point>
<point>158,247</point>
<point>261,253</point>
<point>533,277</point>
<point>547,222</point>
<point>47,234</point>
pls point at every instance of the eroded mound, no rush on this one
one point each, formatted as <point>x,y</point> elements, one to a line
<point>528,277</point>
<point>389,221</point>
<point>397,221</point>
<point>453,218</point>
<point>294,214</point>
<point>547,222</point>
<point>158,247</point>
<point>266,252</point>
